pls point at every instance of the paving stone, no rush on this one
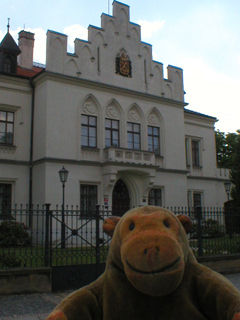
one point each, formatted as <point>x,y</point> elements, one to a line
<point>38,306</point>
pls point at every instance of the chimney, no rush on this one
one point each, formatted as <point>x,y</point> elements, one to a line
<point>26,44</point>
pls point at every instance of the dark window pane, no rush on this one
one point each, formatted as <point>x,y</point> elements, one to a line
<point>92,142</point>
<point>3,115</point>
<point>129,126</point>
<point>5,199</point>
<point>136,128</point>
<point>136,138</point>
<point>108,142</point>
<point>130,145</point>
<point>92,132</point>
<point>107,123</point>
<point>2,137</point>
<point>115,143</point>
<point>88,199</point>
<point>155,141</point>
<point>2,127</point>
<point>155,131</point>
<point>84,131</point>
<point>108,134</point>
<point>115,135</point>
<point>84,119</point>
<point>9,138</point>
<point>115,124</point>
<point>130,137</point>
<point>84,141</point>
<point>92,121</point>
<point>150,130</point>
<point>155,197</point>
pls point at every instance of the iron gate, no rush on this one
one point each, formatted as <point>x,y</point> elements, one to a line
<point>75,246</point>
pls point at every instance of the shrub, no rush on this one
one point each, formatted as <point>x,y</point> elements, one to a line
<point>14,233</point>
<point>209,229</point>
<point>9,261</point>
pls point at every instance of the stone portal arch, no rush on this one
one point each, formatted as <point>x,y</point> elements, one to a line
<point>120,198</point>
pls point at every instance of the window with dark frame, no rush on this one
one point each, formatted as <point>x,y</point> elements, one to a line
<point>5,199</point>
<point>6,127</point>
<point>195,153</point>
<point>88,199</point>
<point>154,139</point>
<point>133,136</point>
<point>8,65</point>
<point>111,133</point>
<point>155,197</point>
<point>89,131</point>
<point>197,199</point>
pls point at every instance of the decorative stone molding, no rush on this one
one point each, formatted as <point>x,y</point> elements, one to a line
<point>89,107</point>
<point>7,149</point>
<point>146,156</point>
<point>134,115</point>
<point>119,154</point>
<point>128,155</point>
<point>112,111</point>
<point>90,154</point>
<point>137,156</point>
<point>153,119</point>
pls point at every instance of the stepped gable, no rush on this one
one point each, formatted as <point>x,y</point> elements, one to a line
<point>114,55</point>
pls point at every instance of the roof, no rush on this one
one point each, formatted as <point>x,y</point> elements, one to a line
<point>29,73</point>
<point>9,44</point>
<point>199,114</point>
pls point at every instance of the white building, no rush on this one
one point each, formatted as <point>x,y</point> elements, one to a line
<point>107,114</point>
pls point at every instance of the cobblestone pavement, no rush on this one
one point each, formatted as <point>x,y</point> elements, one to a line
<point>38,306</point>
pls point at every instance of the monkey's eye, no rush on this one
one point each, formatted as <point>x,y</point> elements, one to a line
<point>166,223</point>
<point>131,226</point>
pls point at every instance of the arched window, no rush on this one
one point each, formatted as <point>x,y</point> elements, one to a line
<point>8,65</point>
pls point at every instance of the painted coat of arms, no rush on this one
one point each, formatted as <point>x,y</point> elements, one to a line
<point>123,64</point>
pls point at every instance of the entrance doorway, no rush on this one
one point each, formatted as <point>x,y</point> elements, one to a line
<point>120,199</point>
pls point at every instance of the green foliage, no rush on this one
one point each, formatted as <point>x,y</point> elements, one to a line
<point>235,175</point>
<point>14,234</point>
<point>226,147</point>
<point>9,261</point>
<point>209,229</point>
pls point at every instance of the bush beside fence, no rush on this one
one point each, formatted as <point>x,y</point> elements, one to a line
<point>44,237</point>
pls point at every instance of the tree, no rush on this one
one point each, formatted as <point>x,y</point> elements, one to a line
<point>225,146</point>
<point>235,172</point>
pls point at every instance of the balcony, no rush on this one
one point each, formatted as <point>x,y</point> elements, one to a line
<point>127,156</point>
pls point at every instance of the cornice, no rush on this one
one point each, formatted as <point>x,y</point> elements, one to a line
<point>207,178</point>
<point>172,171</point>
<point>15,162</point>
<point>10,83</point>
<point>47,75</point>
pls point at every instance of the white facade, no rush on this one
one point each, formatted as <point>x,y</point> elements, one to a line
<point>111,76</point>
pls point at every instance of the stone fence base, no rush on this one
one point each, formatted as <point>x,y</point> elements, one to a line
<point>222,264</point>
<point>25,280</point>
<point>33,280</point>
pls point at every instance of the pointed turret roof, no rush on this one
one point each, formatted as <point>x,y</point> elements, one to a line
<point>8,44</point>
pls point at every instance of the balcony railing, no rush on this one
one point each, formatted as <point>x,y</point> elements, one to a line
<point>122,155</point>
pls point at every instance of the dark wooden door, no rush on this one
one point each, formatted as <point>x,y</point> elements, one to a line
<point>120,199</point>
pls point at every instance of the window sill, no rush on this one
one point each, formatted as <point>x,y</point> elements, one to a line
<point>6,148</point>
<point>89,148</point>
<point>196,166</point>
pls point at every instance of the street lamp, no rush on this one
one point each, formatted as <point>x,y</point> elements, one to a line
<point>227,186</point>
<point>63,175</point>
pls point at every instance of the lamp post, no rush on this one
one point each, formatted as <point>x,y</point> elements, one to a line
<point>227,186</point>
<point>63,174</point>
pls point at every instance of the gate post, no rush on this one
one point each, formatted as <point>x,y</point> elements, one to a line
<point>97,241</point>
<point>46,255</point>
<point>198,212</point>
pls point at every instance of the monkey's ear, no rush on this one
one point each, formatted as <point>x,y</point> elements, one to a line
<point>109,225</point>
<point>186,222</point>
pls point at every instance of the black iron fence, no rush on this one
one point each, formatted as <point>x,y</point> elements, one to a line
<point>50,237</point>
